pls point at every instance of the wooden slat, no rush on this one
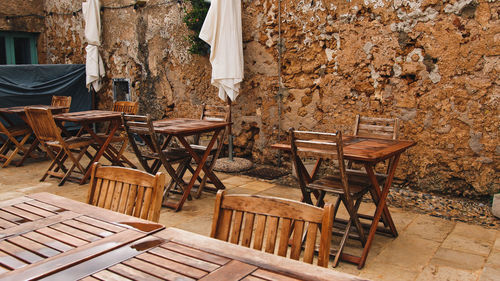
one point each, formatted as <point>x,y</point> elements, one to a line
<point>12,218</point>
<point>75,232</point>
<point>19,253</point>
<point>192,252</point>
<point>312,231</point>
<point>133,273</point>
<point>180,268</point>
<point>63,237</point>
<point>100,224</point>
<point>234,270</point>
<point>155,270</point>
<point>6,224</point>
<point>48,207</point>
<point>225,220</point>
<point>236,229</point>
<point>110,276</point>
<point>88,228</point>
<point>248,230</point>
<point>286,228</point>
<point>34,210</point>
<point>297,240</point>
<point>272,233</point>
<point>269,275</point>
<point>184,259</point>
<point>14,201</point>
<point>10,262</point>
<point>48,241</point>
<point>259,232</point>
<point>21,213</point>
<point>34,246</point>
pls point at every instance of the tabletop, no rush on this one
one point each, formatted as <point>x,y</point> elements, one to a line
<point>185,126</point>
<point>43,233</point>
<point>174,254</point>
<point>364,149</point>
<point>88,116</point>
<point>20,109</point>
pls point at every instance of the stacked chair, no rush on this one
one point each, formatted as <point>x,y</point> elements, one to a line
<point>12,141</point>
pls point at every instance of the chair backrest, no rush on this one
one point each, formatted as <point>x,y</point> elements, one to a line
<point>376,127</point>
<point>62,101</point>
<point>319,145</point>
<point>128,107</point>
<point>128,191</point>
<point>257,222</point>
<point>214,113</point>
<point>43,124</point>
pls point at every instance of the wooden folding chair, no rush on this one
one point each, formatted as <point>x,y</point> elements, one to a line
<point>329,146</point>
<point>154,154</point>
<point>128,191</point>
<point>62,101</point>
<point>257,221</point>
<point>9,137</point>
<point>58,149</point>
<point>116,155</point>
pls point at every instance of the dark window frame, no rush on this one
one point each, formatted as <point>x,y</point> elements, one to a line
<point>9,45</point>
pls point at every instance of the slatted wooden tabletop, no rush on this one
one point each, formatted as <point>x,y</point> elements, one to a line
<point>43,233</point>
<point>89,116</point>
<point>174,254</point>
<point>20,109</point>
<point>184,126</point>
<point>364,149</point>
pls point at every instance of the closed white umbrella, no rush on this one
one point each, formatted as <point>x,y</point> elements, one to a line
<point>94,65</point>
<point>222,31</point>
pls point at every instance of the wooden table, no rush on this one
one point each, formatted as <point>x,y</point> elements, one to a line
<point>19,111</point>
<point>369,152</point>
<point>86,119</point>
<point>174,254</point>
<point>181,128</point>
<point>41,234</point>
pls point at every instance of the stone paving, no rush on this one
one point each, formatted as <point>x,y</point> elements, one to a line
<point>427,248</point>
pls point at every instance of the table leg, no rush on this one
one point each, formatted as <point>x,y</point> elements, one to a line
<point>380,208</point>
<point>201,166</point>
<point>104,146</point>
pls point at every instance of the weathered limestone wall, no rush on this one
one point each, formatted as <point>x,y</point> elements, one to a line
<point>434,64</point>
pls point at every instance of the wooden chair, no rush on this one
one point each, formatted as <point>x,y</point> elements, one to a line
<point>62,101</point>
<point>329,146</point>
<point>128,191</point>
<point>9,138</point>
<point>58,149</point>
<point>120,137</point>
<point>159,154</point>
<point>243,219</point>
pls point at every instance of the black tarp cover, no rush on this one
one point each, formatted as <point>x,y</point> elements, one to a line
<point>36,84</point>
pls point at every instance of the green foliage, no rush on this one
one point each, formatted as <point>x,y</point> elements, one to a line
<point>194,20</point>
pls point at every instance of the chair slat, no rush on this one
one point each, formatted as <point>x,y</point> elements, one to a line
<point>259,232</point>
<point>272,234</point>
<point>286,228</point>
<point>298,230</point>
<point>248,229</point>
<point>312,231</point>
<point>236,230</point>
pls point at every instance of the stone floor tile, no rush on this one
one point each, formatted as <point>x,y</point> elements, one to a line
<point>494,260</point>
<point>408,251</point>
<point>439,273</point>
<point>258,185</point>
<point>283,192</point>
<point>496,246</point>
<point>490,274</point>
<point>470,238</point>
<point>381,271</point>
<point>237,180</point>
<point>457,259</point>
<point>431,228</point>
<point>201,225</point>
<point>240,190</point>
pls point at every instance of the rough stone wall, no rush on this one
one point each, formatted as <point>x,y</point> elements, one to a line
<point>433,64</point>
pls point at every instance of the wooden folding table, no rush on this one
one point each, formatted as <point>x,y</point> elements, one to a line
<point>86,119</point>
<point>41,234</point>
<point>369,152</point>
<point>181,128</point>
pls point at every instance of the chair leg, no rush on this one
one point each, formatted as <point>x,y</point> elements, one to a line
<point>76,163</point>
<point>19,147</point>
<point>55,161</point>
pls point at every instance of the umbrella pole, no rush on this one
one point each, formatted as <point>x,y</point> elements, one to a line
<point>229,133</point>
